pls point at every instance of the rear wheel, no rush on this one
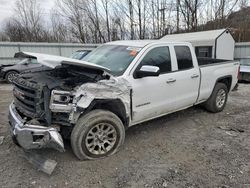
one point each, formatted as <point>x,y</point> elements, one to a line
<point>9,76</point>
<point>98,134</point>
<point>218,99</point>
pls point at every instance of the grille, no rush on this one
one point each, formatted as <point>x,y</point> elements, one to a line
<point>28,98</point>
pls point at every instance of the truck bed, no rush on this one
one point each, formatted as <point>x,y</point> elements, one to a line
<point>209,61</point>
<point>211,69</point>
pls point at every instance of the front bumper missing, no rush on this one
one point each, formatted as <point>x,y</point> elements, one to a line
<point>30,136</point>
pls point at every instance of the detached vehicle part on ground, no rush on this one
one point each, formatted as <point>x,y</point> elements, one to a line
<point>120,84</point>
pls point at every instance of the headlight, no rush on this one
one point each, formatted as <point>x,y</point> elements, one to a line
<point>61,97</point>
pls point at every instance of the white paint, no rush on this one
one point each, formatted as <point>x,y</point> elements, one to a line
<point>153,96</point>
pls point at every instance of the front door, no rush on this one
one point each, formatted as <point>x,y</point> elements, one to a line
<point>153,96</point>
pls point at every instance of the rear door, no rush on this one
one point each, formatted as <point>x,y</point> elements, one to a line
<point>187,77</point>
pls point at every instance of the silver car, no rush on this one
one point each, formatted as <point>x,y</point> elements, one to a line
<point>7,73</point>
<point>245,69</point>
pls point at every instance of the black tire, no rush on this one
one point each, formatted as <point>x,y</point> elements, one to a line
<point>8,76</point>
<point>211,104</point>
<point>86,124</point>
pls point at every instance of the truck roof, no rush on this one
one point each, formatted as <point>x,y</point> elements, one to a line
<point>142,43</point>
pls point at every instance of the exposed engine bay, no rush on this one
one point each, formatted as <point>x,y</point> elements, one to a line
<point>65,77</point>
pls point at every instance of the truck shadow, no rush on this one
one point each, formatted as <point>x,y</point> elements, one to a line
<point>150,126</point>
<point>244,82</point>
<point>132,133</point>
<point>164,121</point>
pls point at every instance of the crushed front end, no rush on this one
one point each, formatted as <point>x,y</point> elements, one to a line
<point>41,112</point>
<point>30,117</point>
<point>30,135</point>
<point>49,101</point>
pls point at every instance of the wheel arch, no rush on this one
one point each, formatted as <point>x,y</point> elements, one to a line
<point>227,80</point>
<point>115,106</point>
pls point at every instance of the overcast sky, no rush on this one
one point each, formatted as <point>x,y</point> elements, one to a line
<point>7,6</point>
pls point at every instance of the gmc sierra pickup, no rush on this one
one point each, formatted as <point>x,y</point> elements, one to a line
<point>118,85</point>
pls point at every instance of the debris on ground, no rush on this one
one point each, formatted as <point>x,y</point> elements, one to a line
<point>40,162</point>
<point>231,131</point>
<point>165,183</point>
<point>1,140</point>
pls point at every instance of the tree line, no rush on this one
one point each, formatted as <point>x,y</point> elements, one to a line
<point>100,21</point>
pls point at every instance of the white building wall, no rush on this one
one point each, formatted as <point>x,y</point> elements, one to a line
<point>242,49</point>
<point>225,46</point>
<point>8,49</point>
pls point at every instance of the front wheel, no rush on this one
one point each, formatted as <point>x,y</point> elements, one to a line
<point>98,134</point>
<point>218,99</point>
<point>10,75</point>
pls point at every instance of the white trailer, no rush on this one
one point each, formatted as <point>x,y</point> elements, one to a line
<point>217,44</point>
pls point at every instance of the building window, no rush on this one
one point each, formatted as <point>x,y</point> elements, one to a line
<point>203,51</point>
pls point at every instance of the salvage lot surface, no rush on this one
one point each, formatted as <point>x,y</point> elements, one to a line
<point>191,148</point>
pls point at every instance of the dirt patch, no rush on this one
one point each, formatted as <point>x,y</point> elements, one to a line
<point>190,148</point>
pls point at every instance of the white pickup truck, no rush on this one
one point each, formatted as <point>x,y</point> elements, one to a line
<point>118,85</point>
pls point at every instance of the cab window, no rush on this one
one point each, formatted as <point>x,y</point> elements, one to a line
<point>184,57</point>
<point>160,57</point>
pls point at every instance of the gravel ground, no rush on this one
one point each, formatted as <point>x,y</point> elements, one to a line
<point>190,148</point>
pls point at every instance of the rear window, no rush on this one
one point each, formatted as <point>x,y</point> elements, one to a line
<point>203,51</point>
<point>184,57</point>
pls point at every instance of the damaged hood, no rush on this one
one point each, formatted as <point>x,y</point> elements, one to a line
<point>53,61</point>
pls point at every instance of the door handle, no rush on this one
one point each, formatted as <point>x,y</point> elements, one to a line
<point>171,80</point>
<point>195,76</point>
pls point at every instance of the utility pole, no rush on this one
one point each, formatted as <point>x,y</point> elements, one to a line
<point>131,13</point>
<point>163,23</point>
<point>178,15</point>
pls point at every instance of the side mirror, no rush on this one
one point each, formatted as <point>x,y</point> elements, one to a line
<point>148,70</point>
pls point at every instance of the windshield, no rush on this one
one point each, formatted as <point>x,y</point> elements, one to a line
<point>114,57</point>
<point>79,54</point>
<point>245,62</point>
<point>24,61</point>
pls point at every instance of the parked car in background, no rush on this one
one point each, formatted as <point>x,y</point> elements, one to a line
<point>7,72</point>
<point>28,64</point>
<point>245,69</point>
<point>80,54</point>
